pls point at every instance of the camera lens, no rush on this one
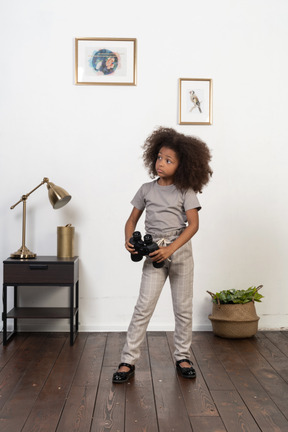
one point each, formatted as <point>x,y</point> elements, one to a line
<point>158,265</point>
<point>137,235</point>
<point>136,257</point>
<point>148,239</point>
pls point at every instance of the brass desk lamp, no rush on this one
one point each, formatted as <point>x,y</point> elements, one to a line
<point>58,198</point>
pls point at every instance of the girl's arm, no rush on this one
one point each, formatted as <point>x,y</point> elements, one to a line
<point>130,227</point>
<point>193,224</point>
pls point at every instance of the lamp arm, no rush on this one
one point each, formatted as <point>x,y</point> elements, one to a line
<point>24,197</point>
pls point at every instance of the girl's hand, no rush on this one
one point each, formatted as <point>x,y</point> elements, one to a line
<point>130,247</point>
<point>161,254</point>
<point>130,228</point>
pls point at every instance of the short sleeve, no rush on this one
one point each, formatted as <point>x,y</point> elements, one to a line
<point>138,201</point>
<point>191,200</point>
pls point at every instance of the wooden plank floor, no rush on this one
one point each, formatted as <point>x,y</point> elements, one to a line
<point>48,386</point>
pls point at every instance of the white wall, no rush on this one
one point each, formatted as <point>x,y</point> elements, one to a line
<point>88,140</point>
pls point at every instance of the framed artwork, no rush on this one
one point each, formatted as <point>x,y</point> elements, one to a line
<point>195,101</point>
<point>105,61</point>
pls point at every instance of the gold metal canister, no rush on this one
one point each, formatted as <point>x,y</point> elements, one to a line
<point>65,241</point>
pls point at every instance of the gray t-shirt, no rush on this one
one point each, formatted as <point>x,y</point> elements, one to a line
<point>165,206</point>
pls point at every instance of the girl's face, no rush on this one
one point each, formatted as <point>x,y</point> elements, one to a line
<point>166,165</point>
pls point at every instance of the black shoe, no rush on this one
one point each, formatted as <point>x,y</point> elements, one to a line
<point>184,371</point>
<point>121,377</point>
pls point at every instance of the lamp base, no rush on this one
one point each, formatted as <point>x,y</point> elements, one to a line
<point>23,253</point>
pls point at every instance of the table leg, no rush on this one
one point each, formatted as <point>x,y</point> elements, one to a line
<point>4,314</point>
<point>15,306</point>
<point>77,306</point>
<point>71,314</point>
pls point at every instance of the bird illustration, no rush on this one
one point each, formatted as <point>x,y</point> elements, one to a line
<point>195,101</point>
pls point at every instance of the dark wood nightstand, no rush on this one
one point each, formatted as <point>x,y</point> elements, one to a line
<point>41,271</point>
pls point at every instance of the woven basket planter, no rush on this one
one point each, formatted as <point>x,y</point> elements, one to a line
<point>234,321</point>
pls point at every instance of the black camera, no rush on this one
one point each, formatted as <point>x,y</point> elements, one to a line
<point>144,247</point>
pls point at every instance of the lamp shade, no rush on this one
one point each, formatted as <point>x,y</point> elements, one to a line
<point>58,197</point>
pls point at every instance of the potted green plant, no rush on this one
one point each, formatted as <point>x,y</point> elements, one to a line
<point>234,313</point>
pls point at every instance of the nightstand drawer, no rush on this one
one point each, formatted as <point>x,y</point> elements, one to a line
<point>34,273</point>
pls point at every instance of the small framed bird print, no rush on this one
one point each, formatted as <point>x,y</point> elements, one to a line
<point>195,101</point>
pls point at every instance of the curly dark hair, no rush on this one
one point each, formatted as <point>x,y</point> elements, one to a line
<point>193,154</point>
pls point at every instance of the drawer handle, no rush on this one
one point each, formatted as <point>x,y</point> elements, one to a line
<point>38,267</point>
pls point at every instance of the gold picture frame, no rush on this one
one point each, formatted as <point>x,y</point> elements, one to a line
<point>195,101</point>
<point>105,61</point>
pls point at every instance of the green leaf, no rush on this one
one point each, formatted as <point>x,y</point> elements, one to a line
<point>237,296</point>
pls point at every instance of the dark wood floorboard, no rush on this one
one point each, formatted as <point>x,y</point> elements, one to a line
<point>48,386</point>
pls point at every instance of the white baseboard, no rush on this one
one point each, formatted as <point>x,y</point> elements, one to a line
<point>64,327</point>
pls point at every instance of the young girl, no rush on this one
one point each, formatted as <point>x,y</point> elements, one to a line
<point>181,165</point>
